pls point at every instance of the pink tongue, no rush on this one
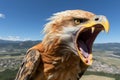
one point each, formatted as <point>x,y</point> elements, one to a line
<point>85,54</point>
<point>83,49</point>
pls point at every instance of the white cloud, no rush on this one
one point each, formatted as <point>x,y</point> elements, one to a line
<point>2,15</point>
<point>14,38</point>
<point>26,39</point>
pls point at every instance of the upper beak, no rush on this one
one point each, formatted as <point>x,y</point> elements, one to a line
<point>99,19</point>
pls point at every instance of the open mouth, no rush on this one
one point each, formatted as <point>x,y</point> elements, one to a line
<point>84,41</point>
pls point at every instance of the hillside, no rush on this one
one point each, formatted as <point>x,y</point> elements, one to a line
<point>115,47</point>
<point>17,44</point>
<point>14,48</point>
<point>27,44</point>
<point>12,45</point>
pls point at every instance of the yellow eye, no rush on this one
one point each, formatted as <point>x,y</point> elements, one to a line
<point>77,21</point>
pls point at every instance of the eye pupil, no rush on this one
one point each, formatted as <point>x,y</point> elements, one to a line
<point>77,21</point>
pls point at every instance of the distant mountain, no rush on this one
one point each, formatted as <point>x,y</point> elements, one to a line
<point>107,46</point>
<point>8,41</point>
<point>114,47</point>
<point>17,44</point>
<point>28,44</point>
<point>6,44</point>
<point>24,44</point>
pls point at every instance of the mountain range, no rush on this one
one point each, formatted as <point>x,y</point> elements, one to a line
<point>17,44</point>
<point>115,47</point>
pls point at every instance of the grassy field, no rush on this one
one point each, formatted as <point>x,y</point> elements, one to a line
<point>10,75</point>
<point>95,77</point>
<point>90,75</point>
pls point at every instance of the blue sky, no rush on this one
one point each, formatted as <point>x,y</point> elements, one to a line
<point>25,19</point>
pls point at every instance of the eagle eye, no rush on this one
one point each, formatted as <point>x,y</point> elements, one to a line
<point>78,21</point>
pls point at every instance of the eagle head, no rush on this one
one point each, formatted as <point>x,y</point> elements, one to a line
<point>76,30</point>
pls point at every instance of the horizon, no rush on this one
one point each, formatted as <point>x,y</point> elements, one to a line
<point>41,40</point>
<point>23,20</point>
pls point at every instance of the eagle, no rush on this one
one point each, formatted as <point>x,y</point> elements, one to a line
<point>66,49</point>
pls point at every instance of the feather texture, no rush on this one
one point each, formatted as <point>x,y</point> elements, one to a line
<point>55,57</point>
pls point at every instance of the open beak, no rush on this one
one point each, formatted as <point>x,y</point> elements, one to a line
<point>87,34</point>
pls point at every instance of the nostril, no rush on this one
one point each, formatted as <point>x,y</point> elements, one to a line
<point>96,19</point>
